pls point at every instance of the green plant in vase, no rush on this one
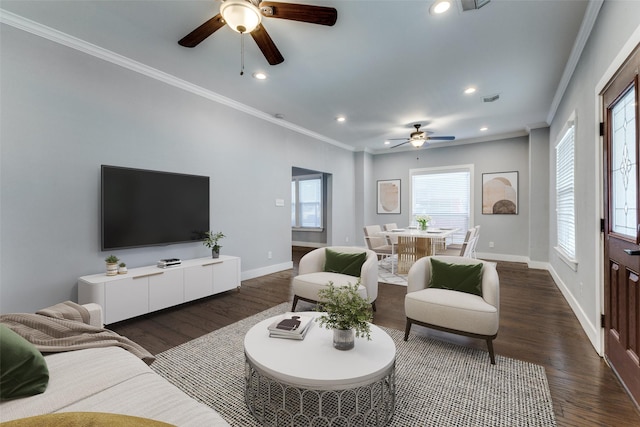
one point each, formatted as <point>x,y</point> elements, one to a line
<point>112,265</point>
<point>423,221</point>
<point>211,241</point>
<point>346,312</point>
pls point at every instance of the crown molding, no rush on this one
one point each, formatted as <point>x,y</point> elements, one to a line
<point>589,20</point>
<point>83,46</point>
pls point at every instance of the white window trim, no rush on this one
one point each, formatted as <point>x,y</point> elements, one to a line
<point>570,260</point>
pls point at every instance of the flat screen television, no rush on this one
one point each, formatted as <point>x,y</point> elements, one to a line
<point>149,208</point>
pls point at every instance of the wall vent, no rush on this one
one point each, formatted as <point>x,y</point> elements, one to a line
<point>491,98</point>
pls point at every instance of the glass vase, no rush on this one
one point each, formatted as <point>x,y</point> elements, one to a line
<point>344,339</point>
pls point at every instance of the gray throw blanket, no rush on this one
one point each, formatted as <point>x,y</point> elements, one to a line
<point>51,331</point>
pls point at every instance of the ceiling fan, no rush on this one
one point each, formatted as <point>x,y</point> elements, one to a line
<point>245,16</point>
<point>418,138</point>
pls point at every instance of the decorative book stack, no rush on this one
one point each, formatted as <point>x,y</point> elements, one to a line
<point>292,326</point>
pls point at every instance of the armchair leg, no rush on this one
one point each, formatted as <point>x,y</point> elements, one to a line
<point>490,347</point>
<point>407,329</point>
<point>295,302</point>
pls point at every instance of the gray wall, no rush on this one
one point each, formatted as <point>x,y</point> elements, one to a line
<point>508,232</point>
<point>617,22</point>
<point>539,195</point>
<point>64,113</point>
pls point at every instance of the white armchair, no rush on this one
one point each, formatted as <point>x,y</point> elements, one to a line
<point>312,276</point>
<point>452,310</point>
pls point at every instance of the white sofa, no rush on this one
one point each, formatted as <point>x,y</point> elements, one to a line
<point>111,380</point>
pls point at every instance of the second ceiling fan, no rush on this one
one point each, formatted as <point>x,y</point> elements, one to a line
<point>419,137</point>
<point>245,16</point>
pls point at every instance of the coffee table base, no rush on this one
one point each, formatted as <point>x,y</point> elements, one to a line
<point>276,404</point>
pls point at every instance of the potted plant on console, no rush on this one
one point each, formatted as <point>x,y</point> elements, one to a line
<point>112,265</point>
<point>347,313</point>
<point>122,268</point>
<point>211,241</point>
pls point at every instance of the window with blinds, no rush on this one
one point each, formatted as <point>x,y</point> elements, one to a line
<point>306,202</point>
<point>445,194</point>
<point>565,189</point>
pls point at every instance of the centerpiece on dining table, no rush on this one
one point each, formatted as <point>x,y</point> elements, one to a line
<point>423,222</point>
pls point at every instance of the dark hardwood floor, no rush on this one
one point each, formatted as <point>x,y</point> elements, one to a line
<point>536,325</point>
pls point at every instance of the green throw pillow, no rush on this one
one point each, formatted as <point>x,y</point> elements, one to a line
<point>23,370</point>
<point>344,263</point>
<point>458,277</point>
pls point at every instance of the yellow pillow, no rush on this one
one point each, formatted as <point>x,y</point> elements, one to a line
<point>85,419</point>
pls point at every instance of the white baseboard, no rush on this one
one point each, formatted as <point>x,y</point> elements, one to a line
<point>263,271</point>
<point>589,328</point>
<point>502,257</point>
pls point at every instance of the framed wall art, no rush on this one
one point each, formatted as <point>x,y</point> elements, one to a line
<point>389,196</point>
<point>500,193</point>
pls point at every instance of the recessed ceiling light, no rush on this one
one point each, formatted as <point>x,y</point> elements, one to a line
<point>259,75</point>
<point>387,142</point>
<point>484,128</point>
<point>469,90</point>
<point>439,7</point>
<point>341,118</point>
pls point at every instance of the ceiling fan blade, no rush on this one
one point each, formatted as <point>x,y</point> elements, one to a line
<point>266,45</point>
<point>398,145</point>
<point>195,37</point>
<point>300,12</point>
<point>442,138</point>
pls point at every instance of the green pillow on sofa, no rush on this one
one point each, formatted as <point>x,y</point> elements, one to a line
<point>23,370</point>
<point>457,277</point>
<point>344,263</point>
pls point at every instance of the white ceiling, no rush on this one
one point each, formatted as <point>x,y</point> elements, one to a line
<point>385,65</point>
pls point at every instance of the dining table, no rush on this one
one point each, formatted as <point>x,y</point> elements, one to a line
<point>410,244</point>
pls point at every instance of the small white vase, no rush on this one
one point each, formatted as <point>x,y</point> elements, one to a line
<point>122,270</point>
<point>344,339</point>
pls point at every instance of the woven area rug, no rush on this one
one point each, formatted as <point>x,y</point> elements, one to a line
<point>385,274</point>
<point>437,383</point>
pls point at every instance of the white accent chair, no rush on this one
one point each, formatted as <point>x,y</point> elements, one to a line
<point>454,311</point>
<point>312,278</point>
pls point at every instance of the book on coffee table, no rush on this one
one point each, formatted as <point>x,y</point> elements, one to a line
<point>290,325</point>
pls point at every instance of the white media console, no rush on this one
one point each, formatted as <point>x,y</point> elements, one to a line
<point>147,289</point>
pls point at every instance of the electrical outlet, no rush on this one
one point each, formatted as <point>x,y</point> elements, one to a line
<point>491,245</point>
<point>346,239</point>
<point>269,254</point>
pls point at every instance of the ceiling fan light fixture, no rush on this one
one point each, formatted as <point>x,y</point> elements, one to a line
<point>417,142</point>
<point>241,15</point>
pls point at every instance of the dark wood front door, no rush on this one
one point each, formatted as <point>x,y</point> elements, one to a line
<point>621,225</point>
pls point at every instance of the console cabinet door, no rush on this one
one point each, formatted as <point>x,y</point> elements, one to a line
<point>198,282</point>
<point>166,289</point>
<point>126,298</point>
<point>225,275</point>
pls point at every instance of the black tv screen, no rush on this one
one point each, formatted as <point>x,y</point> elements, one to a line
<point>148,208</point>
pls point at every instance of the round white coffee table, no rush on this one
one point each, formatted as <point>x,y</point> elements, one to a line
<point>300,382</point>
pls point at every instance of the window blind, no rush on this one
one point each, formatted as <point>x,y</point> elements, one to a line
<point>445,195</point>
<point>565,189</point>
